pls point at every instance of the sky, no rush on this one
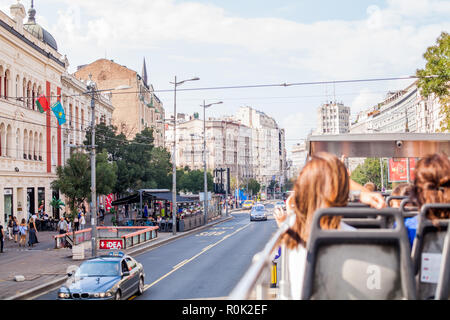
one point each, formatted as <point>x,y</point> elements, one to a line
<point>252,42</point>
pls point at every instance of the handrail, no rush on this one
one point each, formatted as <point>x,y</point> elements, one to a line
<point>261,260</point>
<point>144,229</point>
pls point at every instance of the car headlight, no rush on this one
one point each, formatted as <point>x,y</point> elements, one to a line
<point>96,295</point>
<point>102,294</point>
<point>108,294</point>
<point>64,295</point>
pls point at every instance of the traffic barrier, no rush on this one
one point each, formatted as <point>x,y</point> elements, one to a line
<point>80,237</point>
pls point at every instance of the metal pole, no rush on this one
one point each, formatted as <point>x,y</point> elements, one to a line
<point>205,200</point>
<point>93,173</point>
<point>174,187</point>
<point>382,175</point>
<point>226,192</point>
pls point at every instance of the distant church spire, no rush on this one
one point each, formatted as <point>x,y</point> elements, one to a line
<point>144,73</point>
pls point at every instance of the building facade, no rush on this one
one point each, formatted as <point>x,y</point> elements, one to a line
<point>33,144</point>
<point>268,151</point>
<point>298,157</point>
<point>333,118</point>
<point>228,145</point>
<point>135,108</point>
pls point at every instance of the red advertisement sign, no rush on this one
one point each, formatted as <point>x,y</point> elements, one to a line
<point>110,244</point>
<point>398,169</point>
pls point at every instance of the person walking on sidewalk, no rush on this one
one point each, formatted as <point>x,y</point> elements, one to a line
<point>101,212</point>
<point>23,233</point>
<point>76,223</point>
<point>10,227</point>
<point>82,221</point>
<point>2,236</point>
<point>62,226</point>
<point>15,229</point>
<point>32,238</point>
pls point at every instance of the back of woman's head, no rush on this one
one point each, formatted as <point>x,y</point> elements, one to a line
<point>322,183</point>
<point>403,189</point>
<point>432,183</point>
<point>23,221</point>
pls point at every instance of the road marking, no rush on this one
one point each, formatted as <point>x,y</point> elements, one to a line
<point>178,266</point>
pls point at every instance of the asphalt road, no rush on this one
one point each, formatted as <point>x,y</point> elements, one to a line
<point>204,265</point>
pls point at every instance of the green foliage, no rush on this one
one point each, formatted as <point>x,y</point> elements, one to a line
<point>370,171</point>
<point>57,203</point>
<point>193,181</point>
<point>438,64</point>
<point>253,186</point>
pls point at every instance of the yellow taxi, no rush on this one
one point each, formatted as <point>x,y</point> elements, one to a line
<point>248,204</point>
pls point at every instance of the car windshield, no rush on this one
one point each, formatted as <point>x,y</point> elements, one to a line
<point>98,269</point>
<point>269,205</point>
<point>248,202</point>
<point>280,203</point>
<point>259,208</point>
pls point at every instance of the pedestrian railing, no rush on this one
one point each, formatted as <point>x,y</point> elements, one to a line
<point>140,236</point>
<point>79,237</point>
<point>256,282</point>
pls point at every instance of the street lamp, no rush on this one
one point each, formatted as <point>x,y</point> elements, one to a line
<point>91,87</point>
<point>174,164</point>
<point>205,199</point>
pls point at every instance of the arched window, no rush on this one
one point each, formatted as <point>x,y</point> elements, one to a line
<point>25,144</point>
<point>9,142</point>
<point>30,145</point>
<point>24,92</point>
<point>70,114</point>
<point>82,119</point>
<point>35,147</point>
<point>17,87</point>
<point>18,148</point>
<point>2,139</point>
<point>7,81</point>
<point>29,95</point>
<point>41,146</point>
<point>1,80</point>
<point>33,97</point>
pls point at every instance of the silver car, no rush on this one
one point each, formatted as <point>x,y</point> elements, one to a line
<point>258,212</point>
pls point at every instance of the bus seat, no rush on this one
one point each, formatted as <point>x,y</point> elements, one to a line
<point>443,287</point>
<point>360,264</point>
<point>427,251</point>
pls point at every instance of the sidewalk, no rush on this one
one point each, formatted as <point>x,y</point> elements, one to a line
<point>45,268</point>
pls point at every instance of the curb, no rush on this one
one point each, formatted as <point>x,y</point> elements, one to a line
<point>50,285</point>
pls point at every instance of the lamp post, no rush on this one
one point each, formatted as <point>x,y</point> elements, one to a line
<point>174,158</point>
<point>205,177</point>
<point>91,87</point>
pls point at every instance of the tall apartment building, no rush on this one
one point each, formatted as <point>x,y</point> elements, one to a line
<point>298,157</point>
<point>268,145</point>
<point>228,144</point>
<point>136,108</point>
<point>32,144</point>
<point>333,118</point>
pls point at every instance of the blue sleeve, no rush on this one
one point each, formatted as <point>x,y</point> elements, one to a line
<point>411,227</point>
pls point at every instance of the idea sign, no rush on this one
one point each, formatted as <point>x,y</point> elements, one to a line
<point>110,244</point>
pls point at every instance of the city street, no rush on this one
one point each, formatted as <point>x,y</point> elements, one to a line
<point>204,265</point>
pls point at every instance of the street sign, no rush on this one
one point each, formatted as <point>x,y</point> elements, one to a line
<point>110,244</point>
<point>278,255</point>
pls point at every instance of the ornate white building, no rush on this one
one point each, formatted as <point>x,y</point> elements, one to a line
<point>32,144</point>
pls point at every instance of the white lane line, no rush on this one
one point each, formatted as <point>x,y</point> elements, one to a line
<point>178,266</point>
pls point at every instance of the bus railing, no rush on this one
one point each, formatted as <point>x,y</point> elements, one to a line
<point>255,283</point>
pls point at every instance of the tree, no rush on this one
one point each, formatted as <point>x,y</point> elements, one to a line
<point>438,64</point>
<point>74,179</point>
<point>369,171</point>
<point>253,186</point>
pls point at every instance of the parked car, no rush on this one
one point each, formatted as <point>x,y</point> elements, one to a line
<point>115,276</point>
<point>258,212</point>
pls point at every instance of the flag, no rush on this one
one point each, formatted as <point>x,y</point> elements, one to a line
<point>42,104</point>
<point>58,110</point>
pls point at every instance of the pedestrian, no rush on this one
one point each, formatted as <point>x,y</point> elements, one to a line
<point>126,211</point>
<point>146,211</point>
<point>82,222</point>
<point>41,207</point>
<point>76,223</point>
<point>32,238</point>
<point>62,226</point>
<point>23,232</point>
<point>69,225</point>
<point>2,236</point>
<point>101,212</point>
<point>15,229</point>
<point>9,227</point>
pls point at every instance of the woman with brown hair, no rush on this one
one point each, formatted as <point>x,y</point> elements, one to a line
<point>431,185</point>
<point>324,182</point>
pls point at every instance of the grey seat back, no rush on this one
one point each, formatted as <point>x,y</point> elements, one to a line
<point>390,198</point>
<point>363,221</point>
<point>427,251</point>
<point>361,264</point>
<point>443,287</point>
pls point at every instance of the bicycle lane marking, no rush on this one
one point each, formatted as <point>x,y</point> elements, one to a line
<point>183,263</point>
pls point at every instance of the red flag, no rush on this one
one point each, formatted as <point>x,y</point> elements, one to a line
<point>42,104</point>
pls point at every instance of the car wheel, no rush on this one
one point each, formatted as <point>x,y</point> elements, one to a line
<point>118,296</point>
<point>141,287</point>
